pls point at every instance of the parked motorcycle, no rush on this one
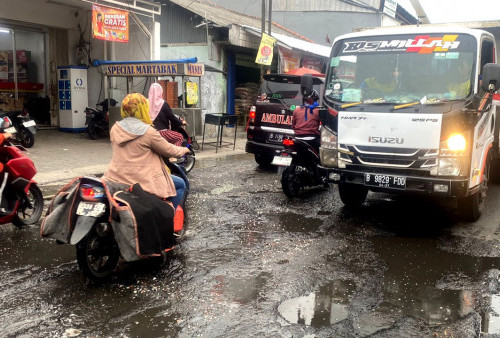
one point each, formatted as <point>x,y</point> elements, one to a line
<point>21,200</point>
<point>97,121</point>
<point>21,126</point>
<point>97,217</point>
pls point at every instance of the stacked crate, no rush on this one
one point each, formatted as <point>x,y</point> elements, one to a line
<point>170,92</point>
<point>245,96</point>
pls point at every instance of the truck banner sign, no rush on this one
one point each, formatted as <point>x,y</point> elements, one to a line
<point>109,24</point>
<point>420,44</point>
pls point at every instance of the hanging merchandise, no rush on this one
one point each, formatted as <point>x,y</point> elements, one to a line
<point>265,54</point>
<point>288,60</point>
<point>109,24</point>
<point>191,93</point>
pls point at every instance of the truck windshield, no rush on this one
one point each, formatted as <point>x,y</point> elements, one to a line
<point>402,69</point>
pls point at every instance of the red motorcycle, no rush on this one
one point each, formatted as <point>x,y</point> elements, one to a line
<point>21,200</point>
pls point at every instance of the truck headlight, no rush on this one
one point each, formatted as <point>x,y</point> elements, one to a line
<point>328,152</point>
<point>449,167</point>
<point>328,139</point>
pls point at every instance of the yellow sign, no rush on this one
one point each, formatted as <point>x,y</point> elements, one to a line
<point>265,54</point>
<point>109,24</point>
<point>194,69</point>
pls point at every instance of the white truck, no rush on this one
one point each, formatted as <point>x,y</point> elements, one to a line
<point>412,110</point>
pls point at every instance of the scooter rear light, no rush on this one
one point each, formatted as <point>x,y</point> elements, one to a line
<point>90,192</point>
<point>288,142</point>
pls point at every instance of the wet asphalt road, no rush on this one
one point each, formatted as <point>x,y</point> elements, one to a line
<point>254,263</point>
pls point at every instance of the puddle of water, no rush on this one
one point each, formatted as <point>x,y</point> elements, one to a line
<point>414,285</point>
<point>414,268</point>
<point>239,290</point>
<point>323,308</point>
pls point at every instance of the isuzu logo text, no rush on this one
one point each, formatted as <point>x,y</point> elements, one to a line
<point>385,139</point>
<point>420,44</point>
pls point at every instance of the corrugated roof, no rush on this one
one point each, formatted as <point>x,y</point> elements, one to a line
<point>294,43</point>
<point>224,17</point>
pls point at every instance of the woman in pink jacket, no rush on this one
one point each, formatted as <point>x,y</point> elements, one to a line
<point>138,149</point>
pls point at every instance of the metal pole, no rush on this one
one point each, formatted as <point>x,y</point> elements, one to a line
<point>14,63</point>
<point>262,29</point>
<point>270,21</point>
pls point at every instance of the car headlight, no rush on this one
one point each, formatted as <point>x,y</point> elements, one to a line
<point>456,143</point>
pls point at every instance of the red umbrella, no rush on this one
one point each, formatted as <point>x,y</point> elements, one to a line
<point>303,70</point>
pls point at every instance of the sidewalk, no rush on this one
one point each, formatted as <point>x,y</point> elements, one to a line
<point>60,156</point>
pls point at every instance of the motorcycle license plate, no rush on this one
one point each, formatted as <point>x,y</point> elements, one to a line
<point>385,181</point>
<point>283,161</point>
<point>30,123</point>
<point>91,209</point>
<point>11,130</point>
<point>275,138</point>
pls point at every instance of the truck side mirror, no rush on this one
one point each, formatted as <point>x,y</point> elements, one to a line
<point>306,85</point>
<point>490,77</point>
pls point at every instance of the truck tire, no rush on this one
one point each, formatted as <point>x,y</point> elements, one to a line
<point>263,160</point>
<point>352,194</point>
<point>471,207</point>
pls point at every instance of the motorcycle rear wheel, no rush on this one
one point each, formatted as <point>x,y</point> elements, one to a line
<point>290,182</point>
<point>189,161</point>
<point>29,215</point>
<point>93,131</point>
<point>25,137</point>
<point>97,256</point>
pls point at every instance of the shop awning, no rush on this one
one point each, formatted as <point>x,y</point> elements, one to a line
<point>294,43</point>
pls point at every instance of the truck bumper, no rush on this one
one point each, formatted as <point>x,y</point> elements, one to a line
<point>429,185</point>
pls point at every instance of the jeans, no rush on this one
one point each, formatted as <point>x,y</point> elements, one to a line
<point>180,188</point>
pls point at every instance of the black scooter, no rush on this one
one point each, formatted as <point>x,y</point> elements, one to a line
<point>300,161</point>
<point>97,121</point>
<point>91,215</point>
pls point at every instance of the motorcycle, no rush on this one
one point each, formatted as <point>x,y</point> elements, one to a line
<point>97,218</point>
<point>187,161</point>
<point>21,126</point>
<point>97,121</point>
<point>300,161</point>
<point>21,200</point>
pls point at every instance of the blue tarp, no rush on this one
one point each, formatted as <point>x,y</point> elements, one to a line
<point>106,62</point>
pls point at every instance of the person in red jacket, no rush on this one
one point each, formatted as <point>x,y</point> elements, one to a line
<point>3,138</point>
<point>305,121</point>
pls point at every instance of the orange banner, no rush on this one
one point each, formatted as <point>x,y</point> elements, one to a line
<point>109,24</point>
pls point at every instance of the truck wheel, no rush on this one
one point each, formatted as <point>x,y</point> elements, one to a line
<point>290,182</point>
<point>352,194</point>
<point>471,207</point>
<point>263,160</point>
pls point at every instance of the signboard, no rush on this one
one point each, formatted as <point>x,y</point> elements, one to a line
<point>155,69</point>
<point>390,7</point>
<point>265,53</point>
<point>109,24</point>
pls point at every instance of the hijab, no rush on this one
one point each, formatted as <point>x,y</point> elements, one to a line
<point>156,101</point>
<point>137,106</point>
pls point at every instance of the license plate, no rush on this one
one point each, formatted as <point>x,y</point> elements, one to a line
<point>275,138</point>
<point>11,130</point>
<point>284,161</point>
<point>385,181</point>
<point>30,123</point>
<point>91,209</point>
